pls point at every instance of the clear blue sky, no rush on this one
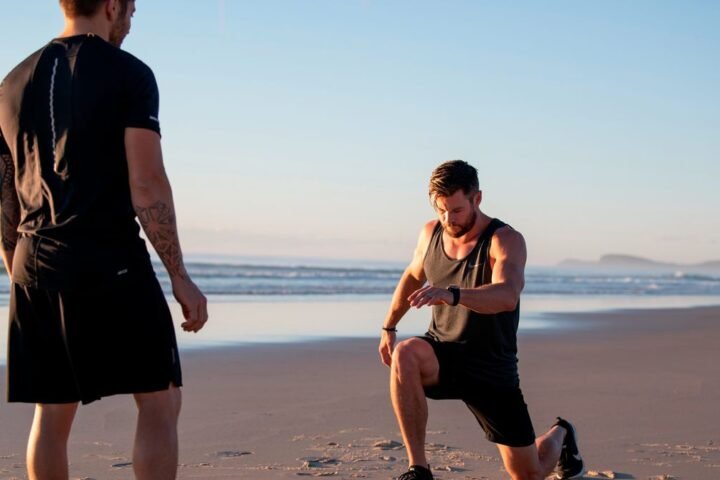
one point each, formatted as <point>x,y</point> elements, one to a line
<point>310,128</point>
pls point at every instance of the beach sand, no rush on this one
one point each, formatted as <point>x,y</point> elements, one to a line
<point>641,386</point>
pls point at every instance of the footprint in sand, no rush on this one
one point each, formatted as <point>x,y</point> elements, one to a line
<point>450,468</point>
<point>388,445</point>
<point>311,463</point>
<point>609,474</point>
<point>232,453</point>
<point>437,447</point>
<point>195,465</point>
<point>319,462</point>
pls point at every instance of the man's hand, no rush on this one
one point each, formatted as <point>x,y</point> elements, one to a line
<point>430,296</point>
<point>193,303</point>
<point>387,344</point>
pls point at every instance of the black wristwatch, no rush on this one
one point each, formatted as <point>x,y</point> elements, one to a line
<point>455,290</point>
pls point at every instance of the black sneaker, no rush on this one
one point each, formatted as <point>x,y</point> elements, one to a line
<point>416,472</point>
<point>571,464</point>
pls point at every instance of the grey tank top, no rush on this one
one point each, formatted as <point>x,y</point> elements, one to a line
<point>488,341</point>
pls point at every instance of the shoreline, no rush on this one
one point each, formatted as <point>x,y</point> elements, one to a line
<point>640,386</point>
<point>288,320</point>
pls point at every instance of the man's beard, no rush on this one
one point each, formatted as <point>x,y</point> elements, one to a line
<point>457,231</point>
<point>118,31</point>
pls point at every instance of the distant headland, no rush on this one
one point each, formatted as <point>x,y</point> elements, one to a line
<point>631,262</point>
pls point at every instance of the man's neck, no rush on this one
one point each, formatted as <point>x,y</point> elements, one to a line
<point>481,222</point>
<point>86,25</point>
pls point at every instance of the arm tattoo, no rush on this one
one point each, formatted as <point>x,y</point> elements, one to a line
<point>9,204</point>
<point>158,222</point>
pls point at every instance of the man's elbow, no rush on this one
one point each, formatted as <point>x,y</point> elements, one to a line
<point>511,298</point>
<point>149,183</point>
<point>508,304</point>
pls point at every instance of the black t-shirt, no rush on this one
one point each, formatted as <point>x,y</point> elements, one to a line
<point>63,115</point>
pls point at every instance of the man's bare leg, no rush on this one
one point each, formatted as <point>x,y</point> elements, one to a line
<point>549,447</point>
<point>47,446</point>
<point>414,365</point>
<point>155,455</point>
<point>534,462</point>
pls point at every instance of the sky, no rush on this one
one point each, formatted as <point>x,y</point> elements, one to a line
<point>309,128</point>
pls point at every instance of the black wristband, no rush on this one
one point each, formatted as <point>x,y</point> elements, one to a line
<point>390,329</point>
<point>455,290</point>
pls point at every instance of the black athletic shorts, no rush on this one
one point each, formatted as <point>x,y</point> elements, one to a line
<point>500,410</point>
<point>108,337</point>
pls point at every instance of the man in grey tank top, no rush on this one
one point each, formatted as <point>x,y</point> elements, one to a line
<point>474,268</point>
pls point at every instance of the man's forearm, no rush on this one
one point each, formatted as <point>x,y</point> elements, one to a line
<point>8,232</point>
<point>9,211</point>
<point>490,299</point>
<point>9,241</point>
<point>7,256</point>
<point>156,213</point>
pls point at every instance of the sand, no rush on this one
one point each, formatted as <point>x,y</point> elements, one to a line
<point>641,386</point>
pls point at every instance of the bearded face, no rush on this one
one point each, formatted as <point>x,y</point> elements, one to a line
<point>457,213</point>
<point>121,26</point>
<point>458,227</point>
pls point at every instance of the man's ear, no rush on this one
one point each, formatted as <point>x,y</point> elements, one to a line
<point>111,10</point>
<point>477,198</point>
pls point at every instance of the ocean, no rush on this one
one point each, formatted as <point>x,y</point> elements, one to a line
<point>299,280</point>
<point>260,300</point>
<point>270,279</point>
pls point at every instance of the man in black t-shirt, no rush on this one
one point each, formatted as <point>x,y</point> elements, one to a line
<point>80,160</point>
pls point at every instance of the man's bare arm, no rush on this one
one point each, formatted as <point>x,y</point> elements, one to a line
<point>509,254</point>
<point>158,222</point>
<point>153,202</point>
<point>9,207</point>
<point>152,197</point>
<point>412,278</point>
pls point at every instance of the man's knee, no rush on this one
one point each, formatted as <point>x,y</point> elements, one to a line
<point>526,475</point>
<point>54,420</point>
<point>164,403</point>
<point>520,470</point>
<point>522,463</point>
<point>410,355</point>
<point>406,355</point>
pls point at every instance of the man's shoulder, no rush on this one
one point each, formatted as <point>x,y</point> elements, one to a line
<point>430,225</point>
<point>505,239</point>
<point>132,62</point>
<point>507,233</point>
<point>130,67</point>
<point>428,229</point>
<point>106,54</point>
<point>22,70</point>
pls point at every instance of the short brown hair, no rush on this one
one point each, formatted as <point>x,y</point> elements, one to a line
<point>86,8</point>
<point>452,176</point>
